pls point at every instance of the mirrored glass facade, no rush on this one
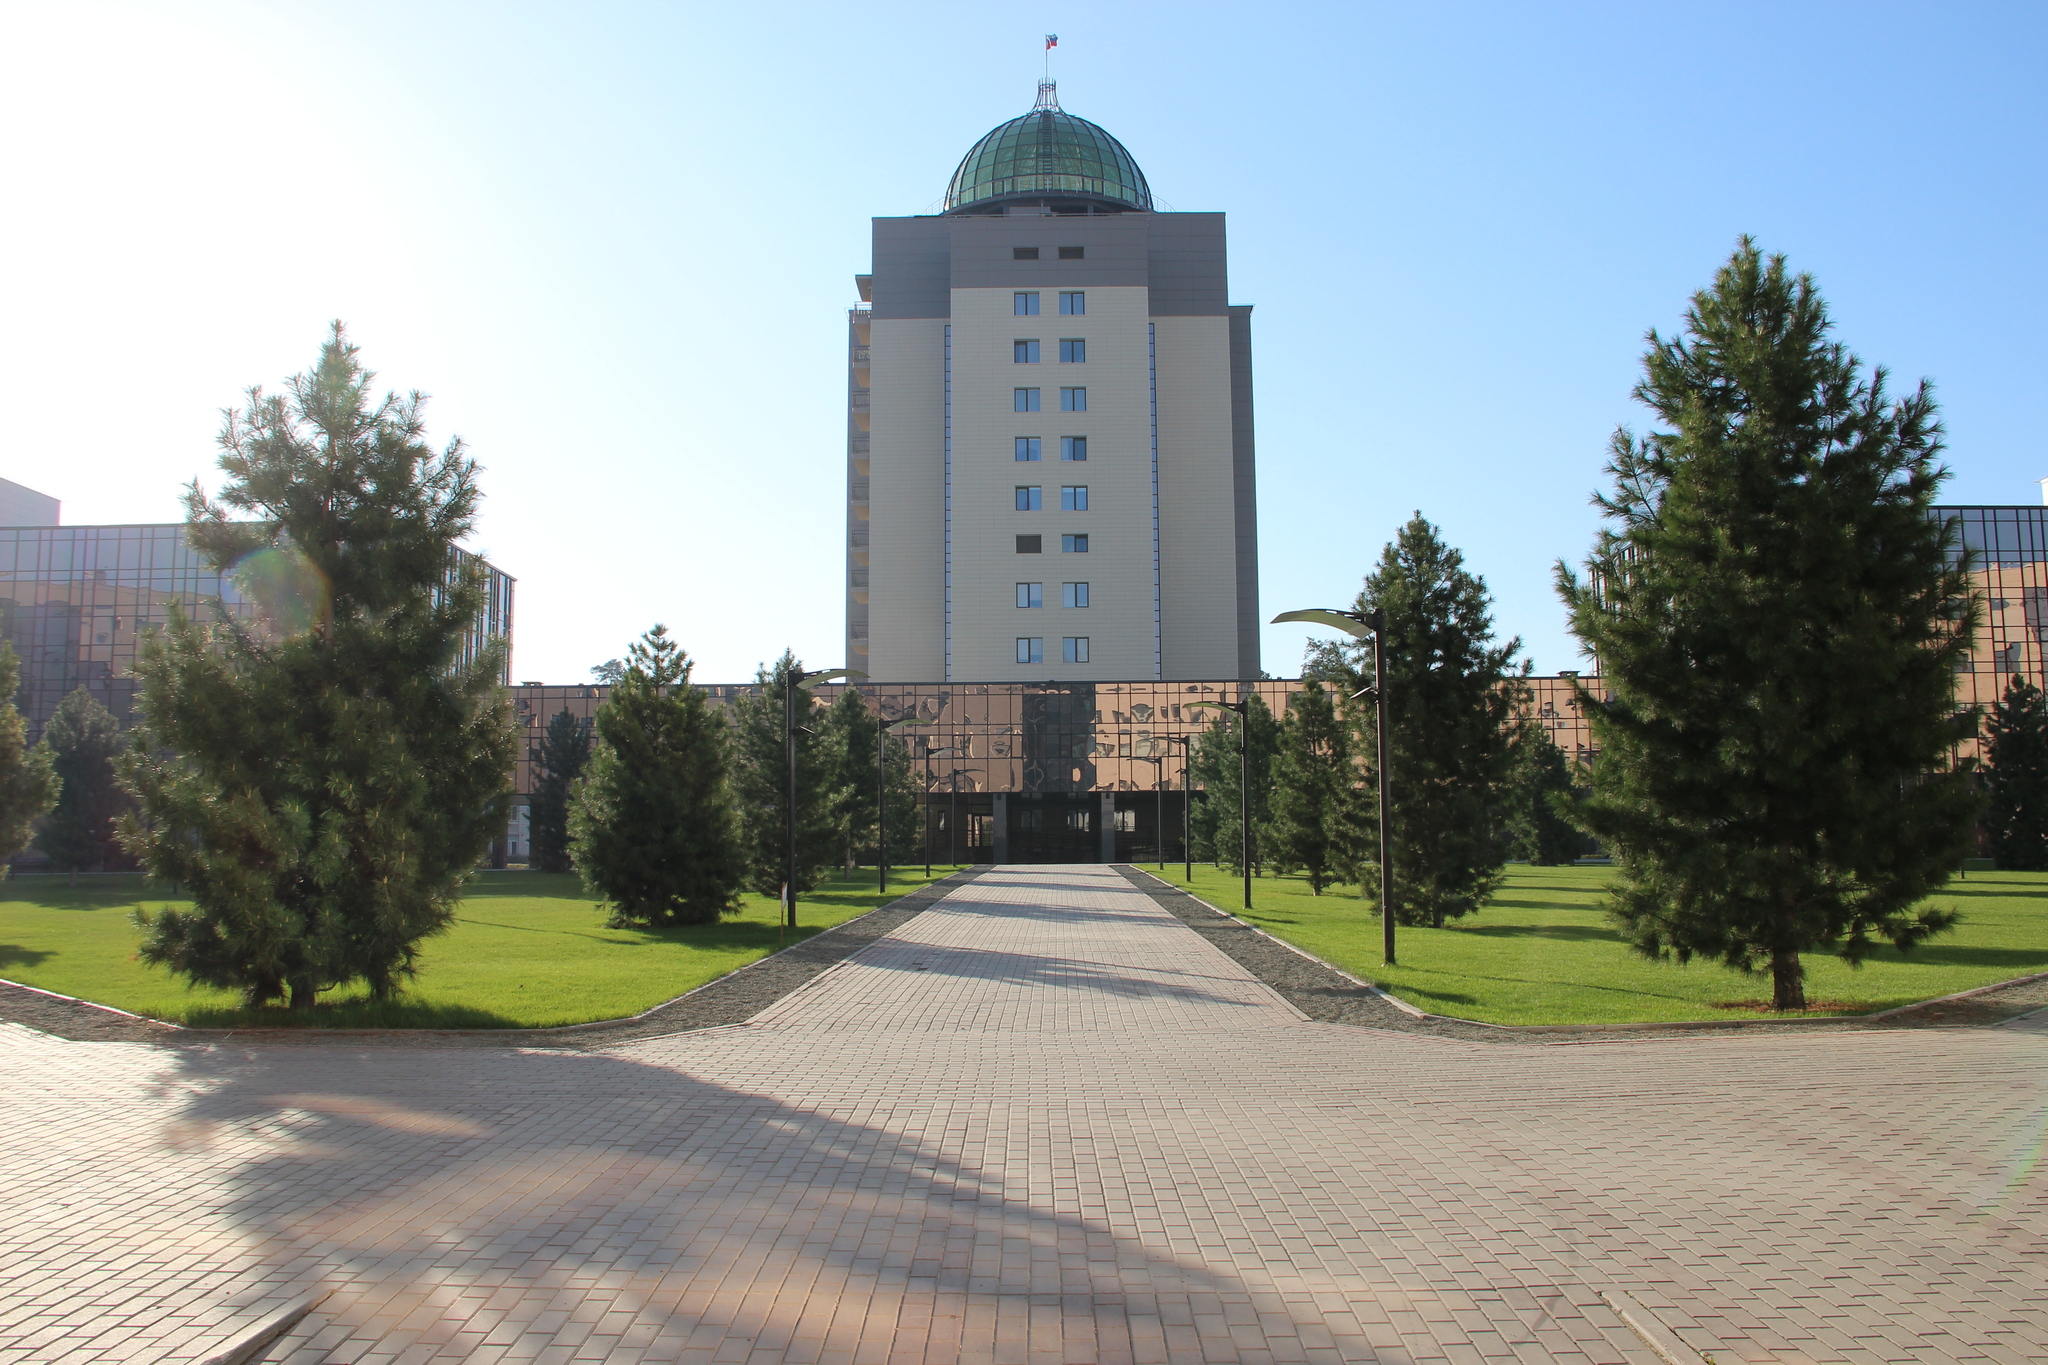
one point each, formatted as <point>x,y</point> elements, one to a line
<point>74,600</point>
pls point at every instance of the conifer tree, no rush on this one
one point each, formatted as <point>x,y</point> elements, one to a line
<point>1217,830</point>
<point>851,730</point>
<point>1778,621</point>
<point>759,780</point>
<point>83,740</point>
<point>1537,796</point>
<point>1450,696</point>
<point>653,827</point>
<point>2016,787</point>
<point>1317,813</point>
<point>322,783</point>
<point>28,780</point>
<point>564,750</point>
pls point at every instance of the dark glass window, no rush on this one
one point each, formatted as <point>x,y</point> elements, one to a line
<point>1027,253</point>
<point>1028,498</point>
<point>1030,545</point>
<point>1028,447</point>
<point>1024,352</point>
<point>1073,448</point>
<point>1070,253</point>
<point>1073,545</point>
<point>1073,350</point>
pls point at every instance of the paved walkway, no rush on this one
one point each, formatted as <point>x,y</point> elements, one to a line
<point>1042,1122</point>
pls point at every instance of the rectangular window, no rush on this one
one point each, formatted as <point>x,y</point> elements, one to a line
<point>1025,305</point>
<point>1023,253</point>
<point>1071,305</point>
<point>1126,822</point>
<point>1027,448</point>
<point>1081,821</point>
<point>1073,448</point>
<point>1073,594</point>
<point>1074,498</point>
<point>1073,350</point>
<point>1031,594</point>
<point>1028,498</point>
<point>1024,352</point>
<point>1030,545</point>
<point>1024,400</point>
<point>1031,650</point>
<point>1074,649</point>
<point>1071,400</point>
<point>1073,253</point>
<point>1074,545</point>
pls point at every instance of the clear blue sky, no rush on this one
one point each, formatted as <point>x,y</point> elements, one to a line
<point>614,242</point>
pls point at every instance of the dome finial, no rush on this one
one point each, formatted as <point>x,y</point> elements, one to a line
<point>1048,97</point>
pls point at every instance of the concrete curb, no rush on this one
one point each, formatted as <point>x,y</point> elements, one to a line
<point>1694,1024</point>
<point>250,1342</point>
<point>950,881</point>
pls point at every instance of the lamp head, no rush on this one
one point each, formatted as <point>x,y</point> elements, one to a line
<point>1352,623</point>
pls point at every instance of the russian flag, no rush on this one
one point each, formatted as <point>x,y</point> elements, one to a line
<point>1052,40</point>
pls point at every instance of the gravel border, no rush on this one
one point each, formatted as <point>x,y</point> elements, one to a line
<point>1331,996</point>
<point>731,999</point>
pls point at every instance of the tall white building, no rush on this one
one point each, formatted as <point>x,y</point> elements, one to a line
<point>1051,470</point>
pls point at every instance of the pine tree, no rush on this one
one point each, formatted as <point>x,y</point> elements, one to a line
<point>1217,829</point>
<point>1538,794</point>
<point>28,779</point>
<point>322,785</point>
<point>759,778</point>
<point>83,739</point>
<point>1316,824</point>
<point>850,730</point>
<point>1450,696</point>
<point>1778,620</point>
<point>564,750</point>
<point>2016,787</point>
<point>653,826</point>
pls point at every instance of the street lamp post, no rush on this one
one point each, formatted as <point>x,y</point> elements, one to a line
<point>1187,801</point>
<point>1244,817</point>
<point>794,679</point>
<point>882,799</point>
<point>929,755</point>
<point>1159,806</point>
<point>1359,625</point>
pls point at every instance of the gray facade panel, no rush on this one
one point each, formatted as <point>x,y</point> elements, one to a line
<point>1245,477</point>
<point>912,270</point>
<point>983,256</point>
<point>1189,269</point>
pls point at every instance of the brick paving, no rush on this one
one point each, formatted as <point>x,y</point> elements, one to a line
<point>1042,1121</point>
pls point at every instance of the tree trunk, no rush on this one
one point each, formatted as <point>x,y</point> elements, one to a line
<point>1788,981</point>
<point>303,993</point>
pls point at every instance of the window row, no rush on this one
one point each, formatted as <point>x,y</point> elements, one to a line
<point>1033,595</point>
<point>1073,449</point>
<point>1069,545</point>
<point>1030,253</point>
<point>1027,400</point>
<point>1073,497</point>
<point>1031,649</point>
<point>1024,304</point>
<point>1073,351</point>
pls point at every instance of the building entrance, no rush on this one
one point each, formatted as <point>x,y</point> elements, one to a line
<point>1054,827</point>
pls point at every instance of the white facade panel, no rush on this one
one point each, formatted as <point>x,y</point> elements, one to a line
<point>906,500</point>
<point>1198,545</point>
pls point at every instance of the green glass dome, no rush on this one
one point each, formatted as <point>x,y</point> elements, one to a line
<point>1047,156</point>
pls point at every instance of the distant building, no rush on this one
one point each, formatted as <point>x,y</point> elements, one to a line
<point>1050,452</point>
<point>74,600</point>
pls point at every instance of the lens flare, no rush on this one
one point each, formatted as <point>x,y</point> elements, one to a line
<point>290,592</point>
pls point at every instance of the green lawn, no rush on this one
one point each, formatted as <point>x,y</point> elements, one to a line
<point>1541,952</point>
<point>527,950</point>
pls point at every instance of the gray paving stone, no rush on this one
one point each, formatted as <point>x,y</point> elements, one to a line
<point>1043,1120</point>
